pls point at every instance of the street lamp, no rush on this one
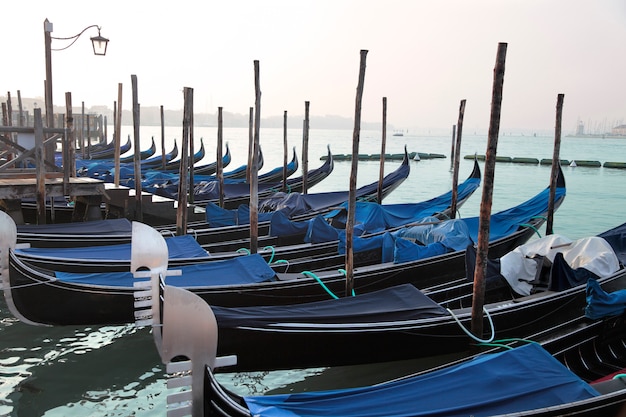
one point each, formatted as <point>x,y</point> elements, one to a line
<point>99,48</point>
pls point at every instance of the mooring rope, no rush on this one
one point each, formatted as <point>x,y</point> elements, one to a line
<point>467,332</point>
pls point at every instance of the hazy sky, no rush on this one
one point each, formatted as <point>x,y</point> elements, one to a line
<point>424,56</point>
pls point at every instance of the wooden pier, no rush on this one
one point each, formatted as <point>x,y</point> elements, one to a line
<point>27,173</point>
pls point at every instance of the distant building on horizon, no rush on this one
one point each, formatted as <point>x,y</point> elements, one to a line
<point>619,130</point>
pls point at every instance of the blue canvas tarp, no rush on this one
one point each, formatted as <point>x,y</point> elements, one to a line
<point>240,270</point>
<point>602,304</point>
<point>177,247</point>
<point>402,302</point>
<point>524,378</point>
<point>95,227</point>
<point>372,217</point>
<point>421,241</point>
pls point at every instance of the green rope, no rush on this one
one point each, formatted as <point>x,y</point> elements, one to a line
<point>273,253</point>
<point>532,227</point>
<point>312,275</point>
<point>244,250</point>
<point>619,376</point>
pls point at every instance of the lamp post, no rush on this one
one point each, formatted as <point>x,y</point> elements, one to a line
<point>99,48</point>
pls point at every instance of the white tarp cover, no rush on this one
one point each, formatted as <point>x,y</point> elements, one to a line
<point>592,253</point>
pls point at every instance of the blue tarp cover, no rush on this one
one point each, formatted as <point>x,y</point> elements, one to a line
<point>402,302</point>
<point>602,304</point>
<point>177,246</point>
<point>372,217</point>
<point>455,235</point>
<point>524,378</point>
<point>240,270</point>
<point>95,227</point>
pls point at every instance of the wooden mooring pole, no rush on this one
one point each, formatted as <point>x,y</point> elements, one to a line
<point>353,173</point>
<point>305,149</point>
<point>457,159</point>
<point>381,171</point>
<point>452,147</point>
<point>40,168</point>
<point>285,151</point>
<point>556,161</point>
<point>250,142</point>
<point>136,145</point>
<point>480,271</point>
<point>183,185</point>
<point>220,163</point>
<point>163,161</point>
<point>118,135</point>
<point>254,169</point>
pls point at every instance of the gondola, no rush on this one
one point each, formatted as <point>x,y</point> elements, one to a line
<point>117,257</point>
<point>405,322</point>
<point>572,367</point>
<point>103,170</point>
<point>211,168</point>
<point>116,231</point>
<point>37,294</point>
<point>238,193</point>
<point>105,150</point>
<point>145,154</point>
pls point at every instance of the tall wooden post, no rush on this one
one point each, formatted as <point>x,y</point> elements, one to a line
<point>457,161</point>
<point>220,164</point>
<point>118,134</point>
<point>20,109</point>
<point>356,135</point>
<point>181,212</point>
<point>480,270</point>
<point>137,145</point>
<point>305,149</point>
<point>163,161</point>
<point>82,130</point>
<point>285,150</point>
<point>452,147</point>
<point>250,143</point>
<point>254,171</point>
<point>189,170</point>
<point>556,160</point>
<point>381,173</point>
<point>49,147</point>
<point>88,137</point>
<point>40,168</point>
<point>69,152</point>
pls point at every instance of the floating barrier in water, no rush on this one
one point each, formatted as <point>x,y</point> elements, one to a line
<point>619,165</point>
<point>548,161</point>
<point>388,156</point>
<point>586,163</point>
<point>530,161</point>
